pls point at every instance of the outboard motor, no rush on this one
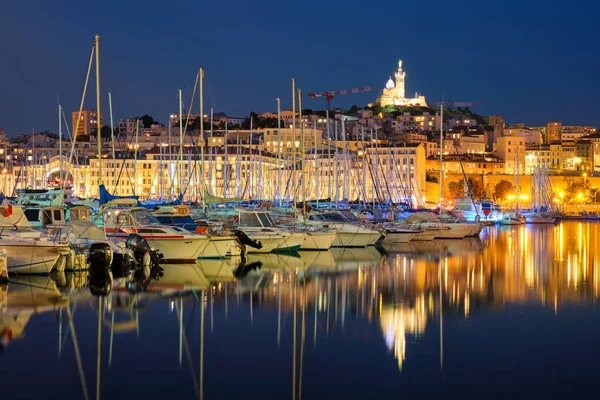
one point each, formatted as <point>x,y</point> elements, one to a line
<point>99,261</point>
<point>146,258</point>
<point>245,240</point>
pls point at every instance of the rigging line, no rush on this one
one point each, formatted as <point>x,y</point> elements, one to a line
<point>74,136</point>
<point>211,94</point>
<point>123,164</point>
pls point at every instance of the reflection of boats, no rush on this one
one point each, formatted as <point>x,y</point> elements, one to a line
<point>179,278</point>
<point>351,258</point>
<point>23,297</point>
<point>432,248</point>
<point>276,261</point>
<point>219,270</point>
<point>321,260</point>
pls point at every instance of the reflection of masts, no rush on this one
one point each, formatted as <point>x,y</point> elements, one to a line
<point>187,353</point>
<point>302,337</point>
<point>328,304</point>
<point>77,355</point>
<point>441,315</point>
<point>201,388</point>
<point>59,332</point>
<point>112,333</point>
<point>278,311</point>
<point>316,303</point>
<point>295,334</point>
<point>180,330</point>
<point>99,349</point>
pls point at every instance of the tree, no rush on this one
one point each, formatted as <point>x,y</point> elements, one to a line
<point>577,190</point>
<point>353,109</point>
<point>455,187</point>
<point>147,121</point>
<point>105,132</point>
<point>431,178</point>
<point>475,187</point>
<point>503,189</point>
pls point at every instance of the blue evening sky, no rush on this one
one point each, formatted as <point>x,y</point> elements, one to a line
<point>528,61</point>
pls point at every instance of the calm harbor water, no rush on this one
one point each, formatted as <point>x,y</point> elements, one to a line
<point>511,314</point>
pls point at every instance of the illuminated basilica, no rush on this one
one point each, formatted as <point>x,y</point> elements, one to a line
<point>394,93</point>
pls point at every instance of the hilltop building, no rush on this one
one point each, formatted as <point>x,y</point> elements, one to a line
<point>394,93</point>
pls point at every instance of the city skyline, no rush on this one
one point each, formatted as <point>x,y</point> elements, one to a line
<point>511,60</point>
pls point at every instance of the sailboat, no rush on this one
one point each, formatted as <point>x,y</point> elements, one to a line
<point>541,212</point>
<point>515,217</point>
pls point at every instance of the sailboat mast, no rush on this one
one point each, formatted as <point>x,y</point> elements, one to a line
<point>180,166</point>
<point>135,151</point>
<point>112,126</point>
<point>60,175</point>
<point>211,149</point>
<point>441,150</point>
<point>202,137</point>
<point>279,150</point>
<point>303,177</point>
<point>317,161</point>
<point>294,143</point>
<point>99,133</point>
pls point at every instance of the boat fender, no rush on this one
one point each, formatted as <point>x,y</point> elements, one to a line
<point>146,264</point>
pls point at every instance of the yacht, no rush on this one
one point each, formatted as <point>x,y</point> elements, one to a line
<point>122,217</point>
<point>28,251</point>
<point>262,234</point>
<point>513,218</point>
<point>350,232</point>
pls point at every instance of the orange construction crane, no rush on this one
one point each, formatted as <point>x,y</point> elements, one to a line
<point>330,95</point>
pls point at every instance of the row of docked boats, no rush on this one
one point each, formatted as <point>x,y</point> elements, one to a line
<point>41,231</point>
<point>491,213</point>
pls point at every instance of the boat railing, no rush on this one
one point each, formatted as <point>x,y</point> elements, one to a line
<point>59,234</point>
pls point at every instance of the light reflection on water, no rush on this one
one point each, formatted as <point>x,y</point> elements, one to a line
<point>355,310</point>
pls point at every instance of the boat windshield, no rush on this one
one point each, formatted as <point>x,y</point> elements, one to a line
<point>143,217</point>
<point>332,217</point>
<point>251,219</point>
<point>348,215</point>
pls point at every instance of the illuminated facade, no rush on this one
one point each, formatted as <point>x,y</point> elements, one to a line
<point>394,93</point>
<point>88,122</point>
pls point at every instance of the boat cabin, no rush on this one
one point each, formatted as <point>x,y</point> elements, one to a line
<point>176,216</point>
<point>42,217</point>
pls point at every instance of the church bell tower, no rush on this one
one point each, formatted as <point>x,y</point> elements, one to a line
<point>400,75</point>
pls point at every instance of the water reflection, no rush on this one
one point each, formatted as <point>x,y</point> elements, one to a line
<point>302,316</point>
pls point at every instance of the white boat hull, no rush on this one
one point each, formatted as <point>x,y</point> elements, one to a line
<point>399,237</point>
<point>538,219</point>
<point>318,240</point>
<point>350,235</point>
<point>25,257</point>
<point>192,248</point>
<point>452,230</point>
<point>274,241</point>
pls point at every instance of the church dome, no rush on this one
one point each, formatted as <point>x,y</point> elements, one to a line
<point>390,84</point>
